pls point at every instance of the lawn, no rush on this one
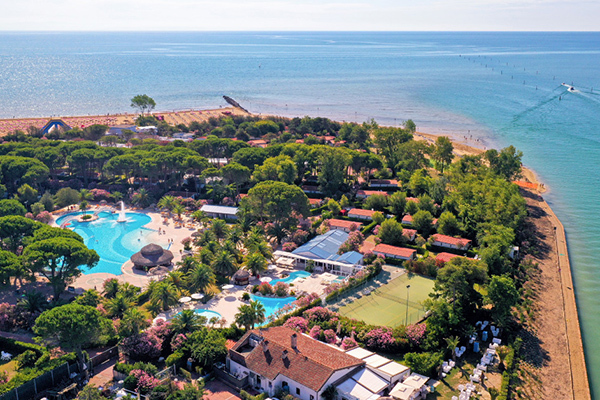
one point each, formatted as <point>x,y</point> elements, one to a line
<point>10,367</point>
<point>388,304</point>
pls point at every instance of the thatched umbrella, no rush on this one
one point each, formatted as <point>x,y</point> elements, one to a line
<point>241,277</point>
<point>150,256</point>
<point>160,270</point>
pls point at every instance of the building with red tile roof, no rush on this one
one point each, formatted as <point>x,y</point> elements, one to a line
<point>344,225</point>
<point>383,183</point>
<point>407,219</point>
<point>401,253</point>
<point>363,194</point>
<point>410,234</point>
<point>445,257</point>
<point>451,242</point>
<point>359,213</point>
<point>258,143</point>
<point>279,358</point>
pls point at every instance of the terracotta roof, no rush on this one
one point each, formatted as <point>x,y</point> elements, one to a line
<point>371,192</point>
<point>393,250</point>
<point>407,219</point>
<point>391,182</point>
<point>342,223</point>
<point>311,363</point>
<point>360,211</point>
<point>445,257</point>
<point>409,232</point>
<point>413,199</point>
<point>451,240</point>
<point>315,201</point>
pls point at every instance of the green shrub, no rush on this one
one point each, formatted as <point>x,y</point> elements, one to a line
<point>130,383</point>
<point>247,396</point>
<point>26,359</point>
<point>177,358</point>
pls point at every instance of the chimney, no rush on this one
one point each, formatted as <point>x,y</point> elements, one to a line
<point>284,355</point>
<point>294,341</point>
<point>265,346</point>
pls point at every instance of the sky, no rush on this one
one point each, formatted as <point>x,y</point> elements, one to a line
<point>299,15</point>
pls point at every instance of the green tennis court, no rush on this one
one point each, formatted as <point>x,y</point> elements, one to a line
<point>388,304</point>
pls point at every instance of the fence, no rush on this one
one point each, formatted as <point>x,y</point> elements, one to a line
<point>105,355</point>
<point>29,390</point>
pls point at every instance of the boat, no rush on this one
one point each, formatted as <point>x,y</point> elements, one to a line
<point>570,88</point>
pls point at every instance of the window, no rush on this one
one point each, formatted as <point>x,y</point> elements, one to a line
<point>312,397</point>
<point>298,391</point>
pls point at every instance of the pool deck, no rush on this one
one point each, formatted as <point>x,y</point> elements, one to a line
<point>134,277</point>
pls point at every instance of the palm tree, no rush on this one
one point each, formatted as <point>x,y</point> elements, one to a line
<point>213,321</point>
<point>176,278</point>
<point>178,210</point>
<point>198,215</point>
<point>259,312</point>
<point>245,222</point>
<point>187,264</point>
<point>235,235</point>
<point>453,342</point>
<point>330,393</point>
<point>111,288</point>
<point>256,263</point>
<point>116,307</point>
<point>33,302</point>
<point>86,195</point>
<point>167,202</point>
<point>200,278</point>
<point>133,322</point>
<point>260,247</point>
<point>219,228</point>
<point>278,232</point>
<point>186,321</point>
<point>229,247</point>
<point>245,317</point>
<point>130,291</point>
<point>84,205</point>
<point>165,294</point>
<point>224,264</point>
<point>141,198</point>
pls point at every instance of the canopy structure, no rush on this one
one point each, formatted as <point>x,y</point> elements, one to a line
<point>197,296</point>
<point>266,279</point>
<point>227,287</point>
<point>241,277</point>
<point>185,299</point>
<point>150,256</point>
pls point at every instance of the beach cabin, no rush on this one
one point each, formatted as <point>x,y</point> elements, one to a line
<point>451,242</point>
<point>223,212</point>
<point>400,253</point>
<point>359,213</point>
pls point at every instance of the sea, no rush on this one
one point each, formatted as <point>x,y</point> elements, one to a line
<point>487,89</point>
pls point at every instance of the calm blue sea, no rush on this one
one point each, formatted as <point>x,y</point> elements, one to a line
<point>499,88</point>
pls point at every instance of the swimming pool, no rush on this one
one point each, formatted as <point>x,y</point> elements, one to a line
<point>293,276</point>
<point>208,314</point>
<point>115,242</point>
<point>273,304</point>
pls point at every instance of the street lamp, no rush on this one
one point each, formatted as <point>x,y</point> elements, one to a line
<point>406,318</point>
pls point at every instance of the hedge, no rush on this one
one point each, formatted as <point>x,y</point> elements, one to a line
<point>368,228</point>
<point>15,347</point>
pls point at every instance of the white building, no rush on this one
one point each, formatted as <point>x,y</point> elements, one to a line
<point>222,212</point>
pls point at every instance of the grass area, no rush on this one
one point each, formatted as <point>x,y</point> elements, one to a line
<point>10,367</point>
<point>388,304</point>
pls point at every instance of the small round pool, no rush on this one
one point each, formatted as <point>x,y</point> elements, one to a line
<point>208,314</point>
<point>115,242</point>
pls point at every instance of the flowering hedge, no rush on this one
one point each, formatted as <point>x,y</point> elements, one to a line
<point>315,332</point>
<point>330,336</point>
<point>380,338</point>
<point>281,289</point>
<point>298,324</point>
<point>265,288</point>
<point>145,381</point>
<point>178,341</point>
<point>416,333</point>
<point>289,247</point>
<point>318,314</point>
<point>349,343</point>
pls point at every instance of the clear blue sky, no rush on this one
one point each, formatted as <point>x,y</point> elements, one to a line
<point>281,15</point>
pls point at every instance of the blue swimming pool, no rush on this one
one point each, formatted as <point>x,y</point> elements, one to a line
<point>293,276</point>
<point>208,314</point>
<point>273,304</point>
<point>115,242</point>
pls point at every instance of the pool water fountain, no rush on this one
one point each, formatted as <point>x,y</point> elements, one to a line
<point>122,217</point>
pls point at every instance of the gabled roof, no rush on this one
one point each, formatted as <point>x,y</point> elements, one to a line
<point>368,193</point>
<point>393,250</point>
<point>409,232</point>
<point>342,223</point>
<point>323,246</point>
<point>350,257</point>
<point>311,363</point>
<point>445,257</point>
<point>360,211</point>
<point>451,240</point>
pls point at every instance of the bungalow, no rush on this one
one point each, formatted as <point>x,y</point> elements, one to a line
<point>258,143</point>
<point>410,234</point>
<point>278,358</point>
<point>451,242</point>
<point>400,253</point>
<point>222,212</point>
<point>310,189</point>
<point>407,219</point>
<point>363,194</point>
<point>315,203</point>
<point>383,183</point>
<point>343,225</point>
<point>445,257</point>
<point>359,213</point>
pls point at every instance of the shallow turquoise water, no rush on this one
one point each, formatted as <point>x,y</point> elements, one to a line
<point>114,242</point>
<point>291,278</point>
<point>272,304</point>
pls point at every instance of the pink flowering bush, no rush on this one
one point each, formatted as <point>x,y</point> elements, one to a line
<point>13,318</point>
<point>298,324</point>
<point>353,243</point>
<point>376,230</point>
<point>3,377</point>
<point>289,247</point>
<point>305,300</point>
<point>416,333</point>
<point>44,217</point>
<point>281,289</point>
<point>315,332</point>
<point>178,341</point>
<point>145,381</point>
<point>349,343</point>
<point>324,228</point>
<point>299,237</point>
<point>29,215</point>
<point>100,194</point>
<point>330,337</point>
<point>265,288</point>
<point>318,314</point>
<point>142,347</point>
<point>380,338</point>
